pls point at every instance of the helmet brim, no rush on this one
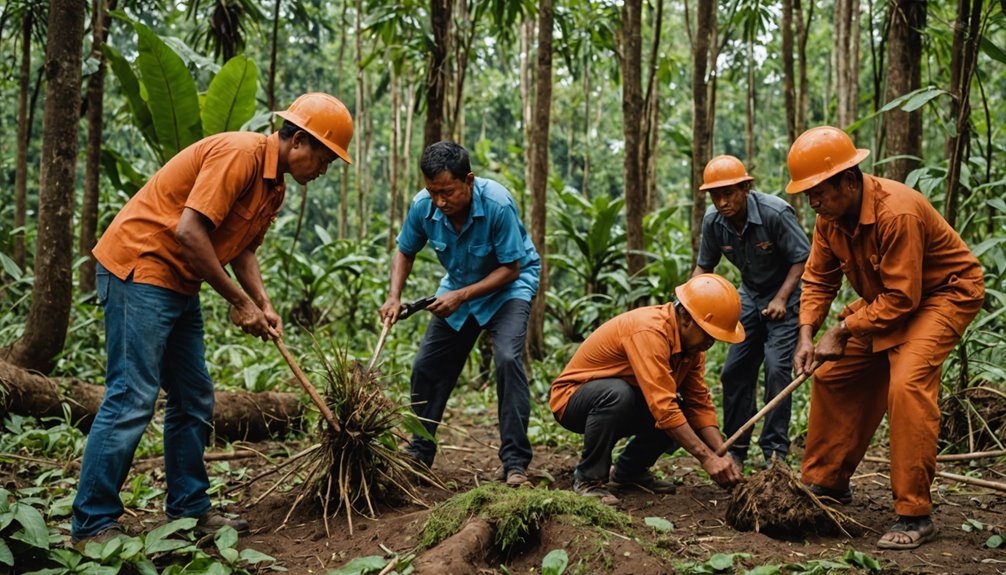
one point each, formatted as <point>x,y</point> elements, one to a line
<point>798,186</point>
<point>725,183</point>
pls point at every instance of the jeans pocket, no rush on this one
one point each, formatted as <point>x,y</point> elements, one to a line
<point>101,283</point>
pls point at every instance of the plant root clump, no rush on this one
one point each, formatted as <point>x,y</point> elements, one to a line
<point>775,502</point>
<point>974,419</point>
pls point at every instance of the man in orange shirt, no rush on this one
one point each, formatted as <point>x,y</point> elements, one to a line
<point>207,207</point>
<point>641,374</point>
<point>920,287</point>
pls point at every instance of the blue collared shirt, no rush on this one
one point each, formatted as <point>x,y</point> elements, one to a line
<point>493,236</point>
<point>770,243</point>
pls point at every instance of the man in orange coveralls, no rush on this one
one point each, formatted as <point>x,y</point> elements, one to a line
<point>920,288</point>
<point>209,206</point>
<point>641,373</point>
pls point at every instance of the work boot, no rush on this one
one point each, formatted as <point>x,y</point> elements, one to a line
<point>645,481</point>
<point>514,477</point>
<point>842,497</point>
<point>595,489</point>
<point>113,531</point>
<point>212,520</point>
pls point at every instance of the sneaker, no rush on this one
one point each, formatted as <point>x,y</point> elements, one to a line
<point>212,520</point>
<point>842,497</point>
<point>645,481</point>
<point>595,489</point>
<point>105,535</point>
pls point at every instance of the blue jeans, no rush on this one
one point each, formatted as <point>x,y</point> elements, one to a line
<point>604,411</point>
<point>774,343</point>
<point>441,357</point>
<point>154,340</point>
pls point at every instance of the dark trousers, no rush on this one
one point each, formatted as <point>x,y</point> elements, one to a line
<point>604,411</point>
<point>774,343</point>
<point>441,357</point>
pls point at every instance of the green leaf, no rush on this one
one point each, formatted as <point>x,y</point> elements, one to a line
<point>33,530</point>
<point>230,101</point>
<point>157,540</point>
<point>10,267</point>
<point>6,557</point>
<point>555,562</point>
<point>764,570</point>
<point>230,555</point>
<point>724,561</point>
<point>145,566</point>
<point>994,542</point>
<point>659,523</point>
<point>361,566</point>
<point>171,93</point>
<point>226,538</point>
<point>131,88</point>
<point>860,559</point>
<point>921,99</point>
<point>993,51</point>
<point>254,557</point>
<point>975,523</point>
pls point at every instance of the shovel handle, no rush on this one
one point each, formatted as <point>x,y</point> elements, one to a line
<point>302,379</point>
<point>768,407</point>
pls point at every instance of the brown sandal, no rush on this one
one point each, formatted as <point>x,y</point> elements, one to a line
<point>919,530</point>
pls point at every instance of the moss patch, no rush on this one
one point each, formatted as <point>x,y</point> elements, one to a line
<point>515,513</point>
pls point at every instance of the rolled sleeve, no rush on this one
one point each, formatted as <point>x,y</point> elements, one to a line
<point>822,277</point>
<point>413,237</point>
<point>902,243</point>
<point>649,358</point>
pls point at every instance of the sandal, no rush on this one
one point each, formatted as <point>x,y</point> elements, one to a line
<point>919,530</point>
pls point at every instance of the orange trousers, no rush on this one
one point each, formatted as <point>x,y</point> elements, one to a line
<point>850,396</point>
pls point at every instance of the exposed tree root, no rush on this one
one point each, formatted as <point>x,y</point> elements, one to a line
<point>775,502</point>
<point>460,554</point>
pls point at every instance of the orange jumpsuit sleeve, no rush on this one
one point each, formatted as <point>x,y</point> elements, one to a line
<point>902,241</point>
<point>224,175</point>
<point>822,276</point>
<point>649,356</point>
<point>696,402</point>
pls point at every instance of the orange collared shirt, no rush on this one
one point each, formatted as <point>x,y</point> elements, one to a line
<point>231,178</point>
<point>900,254</point>
<point>643,347</point>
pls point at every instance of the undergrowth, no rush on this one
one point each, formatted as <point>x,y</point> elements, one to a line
<point>515,513</point>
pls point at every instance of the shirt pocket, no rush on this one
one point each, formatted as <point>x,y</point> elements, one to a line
<point>442,251</point>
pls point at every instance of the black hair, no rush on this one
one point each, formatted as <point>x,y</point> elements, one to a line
<point>445,156</point>
<point>288,130</point>
<point>836,180</point>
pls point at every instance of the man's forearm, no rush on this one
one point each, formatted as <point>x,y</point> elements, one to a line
<point>249,275</point>
<point>194,238</point>
<point>499,278</point>
<point>791,281</point>
<point>686,437</point>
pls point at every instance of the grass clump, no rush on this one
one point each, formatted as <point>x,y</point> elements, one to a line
<point>515,513</point>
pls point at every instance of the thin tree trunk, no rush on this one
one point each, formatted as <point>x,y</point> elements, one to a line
<point>526,81</point>
<point>344,179</point>
<point>750,128</point>
<point>651,116</point>
<point>587,137</point>
<point>273,49</point>
<point>410,109</point>
<point>361,115</point>
<point>903,130</point>
<point>49,315</point>
<point>23,125</point>
<point>92,166</point>
<point>368,175</point>
<point>539,172</point>
<point>788,83</point>
<point>632,116</point>
<point>705,22</point>
<point>436,79</point>
<point>802,34</point>
<point>466,35</point>
<point>966,44</point>
<point>846,57</point>
<point>396,128</point>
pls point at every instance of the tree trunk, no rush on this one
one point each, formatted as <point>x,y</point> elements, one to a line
<point>396,128</point>
<point>750,124</point>
<point>49,316</point>
<point>526,82</point>
<point>788,83</point>
<point>410,114</point>
<point>705,22</point>
<point>362,206</point>
<point>845,54</point>
<point>237,415</point>
<point>92,167</point>
<point>651,117</point>
<point>802,34</point>
<point>359,162</point>
<point>539,172</point>
<point>436,76</point>
<point>903,130</point>
<point>23,125</point>
<point>632,116</point>
<point>587,138</point>
<point>465,35</point>
<point>271,82</point>
<point>966,44</point>
<point>344,179</point>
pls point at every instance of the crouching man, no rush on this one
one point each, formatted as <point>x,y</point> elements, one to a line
<point>641,374</point>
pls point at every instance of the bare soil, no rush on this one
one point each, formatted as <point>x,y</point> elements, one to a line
<point>697,510</point>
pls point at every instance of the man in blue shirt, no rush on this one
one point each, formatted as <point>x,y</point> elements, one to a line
<point>760,235</point>
<point>492,274</point>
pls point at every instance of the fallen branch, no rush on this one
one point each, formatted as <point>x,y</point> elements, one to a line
<point>996,485</point>
<point>971,456</point>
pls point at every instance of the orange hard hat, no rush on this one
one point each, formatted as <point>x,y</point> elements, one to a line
<point>723,171</point>
<point>818,154</point>
<point>714,304</point>
<point>324,117</point>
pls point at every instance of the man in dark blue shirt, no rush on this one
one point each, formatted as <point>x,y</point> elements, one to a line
<point>761,236</point>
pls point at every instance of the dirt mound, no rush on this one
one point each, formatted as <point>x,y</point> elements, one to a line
<point>776,503</point>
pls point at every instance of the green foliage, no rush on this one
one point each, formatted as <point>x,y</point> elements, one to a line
<point>555,562</point>
<point>515,513</point>
<point>56,438</point>
<point>718,563</point>
<point>659,524</point>
<point>230,100</point>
